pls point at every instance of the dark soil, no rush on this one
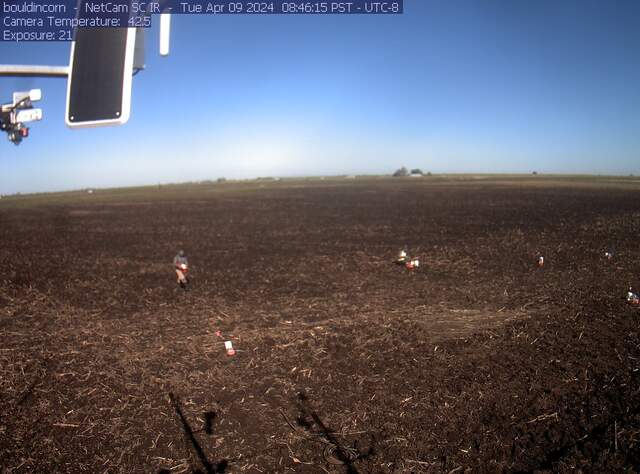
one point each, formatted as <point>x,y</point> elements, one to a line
<point>479,361</point>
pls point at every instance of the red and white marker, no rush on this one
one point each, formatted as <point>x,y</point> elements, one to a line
<point>228,345</point>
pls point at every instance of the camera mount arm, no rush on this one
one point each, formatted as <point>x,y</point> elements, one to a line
<point>33,71</point>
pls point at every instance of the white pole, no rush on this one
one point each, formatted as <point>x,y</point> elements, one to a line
<point>165,31</point>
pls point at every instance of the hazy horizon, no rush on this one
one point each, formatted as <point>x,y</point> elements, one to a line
<point>257,179</point>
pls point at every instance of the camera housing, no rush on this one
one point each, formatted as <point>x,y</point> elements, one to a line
<point>14,115</point>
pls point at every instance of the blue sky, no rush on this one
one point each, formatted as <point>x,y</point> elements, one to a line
<point>449,86</point>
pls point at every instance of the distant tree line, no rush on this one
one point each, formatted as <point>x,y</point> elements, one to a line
<point>402,172</point>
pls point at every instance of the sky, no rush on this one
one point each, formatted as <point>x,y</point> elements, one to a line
<point>455,86</point>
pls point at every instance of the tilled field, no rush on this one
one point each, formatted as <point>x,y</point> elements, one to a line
<point>479,361</point>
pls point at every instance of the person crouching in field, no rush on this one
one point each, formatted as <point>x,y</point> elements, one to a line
<point>181,265</point>
<point>406,261</point>
<point>632,298</point>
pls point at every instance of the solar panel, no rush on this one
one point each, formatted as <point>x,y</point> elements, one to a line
<point>99,85</point>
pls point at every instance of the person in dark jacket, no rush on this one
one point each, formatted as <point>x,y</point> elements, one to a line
<point>181,265</point>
